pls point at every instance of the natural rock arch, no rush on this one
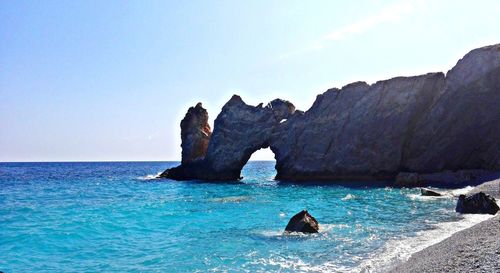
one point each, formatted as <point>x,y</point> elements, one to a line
<point>422,124</point>
<point>239,131</point>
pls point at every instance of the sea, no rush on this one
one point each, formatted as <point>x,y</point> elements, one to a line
<point>117,217</point>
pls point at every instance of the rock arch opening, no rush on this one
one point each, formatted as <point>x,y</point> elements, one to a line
<point>261,166</point>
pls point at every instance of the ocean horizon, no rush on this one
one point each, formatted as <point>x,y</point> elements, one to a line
<point>319,136</point>
<point>116,216</point>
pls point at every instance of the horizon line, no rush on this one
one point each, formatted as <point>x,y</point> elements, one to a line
<point>107,161</point>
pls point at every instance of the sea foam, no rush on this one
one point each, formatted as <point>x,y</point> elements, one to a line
<point>399,250</point>
<point>149,176</point>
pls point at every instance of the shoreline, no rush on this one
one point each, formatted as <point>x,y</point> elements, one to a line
<point>473,249</point>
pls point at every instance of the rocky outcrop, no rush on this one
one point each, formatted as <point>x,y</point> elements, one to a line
<point>195,134</point>
<point>302,222</point>
<point>239,131</point>
<point>461,128</point>
<point>428,192</point>
<point>357,132</point>
<point>427,124</point>
<point>477,203</point>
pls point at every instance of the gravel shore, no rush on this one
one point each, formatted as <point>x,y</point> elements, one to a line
<point>476,249</point>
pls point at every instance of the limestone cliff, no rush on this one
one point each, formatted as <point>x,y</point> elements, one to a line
<point>423,124</point>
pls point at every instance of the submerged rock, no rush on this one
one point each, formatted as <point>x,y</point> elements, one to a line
<point>479,203</point>
<point>302,222</point>
<point>427,124</point>
<point>427,192</point>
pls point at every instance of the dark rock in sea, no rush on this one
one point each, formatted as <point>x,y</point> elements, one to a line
<point>427,192</point>
<point>429,128</point>
<point>195,134</point>
<point>479,203</point>
<point>302,222</point>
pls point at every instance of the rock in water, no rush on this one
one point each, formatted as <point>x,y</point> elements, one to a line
<point>195,134</point>
<point>479,203</point>
<point>427,192</point>
<point>302,222</point>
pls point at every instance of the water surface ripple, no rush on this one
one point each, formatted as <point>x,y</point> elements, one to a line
<point>111,217</point>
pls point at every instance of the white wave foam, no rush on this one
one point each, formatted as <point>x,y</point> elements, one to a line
<point>328,227</point>
<point>394,252</point>
<point>281,234</point>
<point>397,251</point>
<point>231,199</point>
<point>457,192</point>
<point>445,194</point>
<point>296,264</point>
<point>149,176</point>
<point>414,196</point>
<point>323,228</point>
<point>348,197</point>
<point>271,233</point>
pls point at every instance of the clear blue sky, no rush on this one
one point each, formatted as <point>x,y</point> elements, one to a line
<point>111,80</point>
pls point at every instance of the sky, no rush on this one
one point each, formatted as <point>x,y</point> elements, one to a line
<point>111,80</point>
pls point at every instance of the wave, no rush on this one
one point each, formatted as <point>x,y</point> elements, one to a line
<point>445,194</point>
<point>399,250</point>
<point>348,197</point>
<point>457,192</point>
<point>324,230</point>
<point>415,196</point>
<point>394,251</point>
<point>149,176</point>
<point>281,263</point>
<point>231,199</point>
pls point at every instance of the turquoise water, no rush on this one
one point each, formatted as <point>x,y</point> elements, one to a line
<point>110,217</point>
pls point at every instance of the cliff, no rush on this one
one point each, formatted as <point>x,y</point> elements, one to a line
<point>423,124</point>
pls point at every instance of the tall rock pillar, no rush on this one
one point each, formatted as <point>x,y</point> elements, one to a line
<point>195,134</point>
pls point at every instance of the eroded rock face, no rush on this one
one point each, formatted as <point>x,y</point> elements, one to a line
<point>358,132</point>
<point>461,128</point>
<point>195,134</point>
<point>239,131</point>
<point>302,222</point>
<point>479,203</point>
<point>427,124</point>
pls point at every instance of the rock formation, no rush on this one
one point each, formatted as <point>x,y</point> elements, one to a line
<point>419,125</point>
<point>239,131</point>
<point>195,134</point>
<point>302,222</point>
<point>427,192</point>
<point>477,203</point>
